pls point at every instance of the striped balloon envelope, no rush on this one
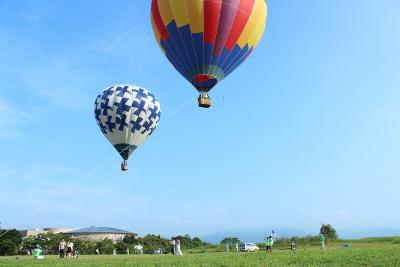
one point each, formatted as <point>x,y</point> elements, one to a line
<point>205,40</point>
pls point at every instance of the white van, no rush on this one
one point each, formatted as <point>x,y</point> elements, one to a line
<point>248,247</point>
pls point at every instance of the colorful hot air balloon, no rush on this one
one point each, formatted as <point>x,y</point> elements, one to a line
<point>205,40</point>
<point>126,115</point>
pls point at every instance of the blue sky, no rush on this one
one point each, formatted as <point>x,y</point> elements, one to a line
<point>305,132</point>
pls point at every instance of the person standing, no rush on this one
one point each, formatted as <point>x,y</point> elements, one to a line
<point>292,246</point>
<point>70,248</point>
<point>178,247</point>
<point>61,248</point>
<point>270,243</point>
<point>322,241</point>
<point>173,244</point>
<point>237,247</point>
<point>227,247</point>
<point>97,251</point>
<point>266,244</point>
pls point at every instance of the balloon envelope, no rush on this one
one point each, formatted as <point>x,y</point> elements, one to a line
<point>205,40</point>
<point>127,115</point>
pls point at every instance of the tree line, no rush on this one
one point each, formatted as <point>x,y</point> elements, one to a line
<point>11,243</point>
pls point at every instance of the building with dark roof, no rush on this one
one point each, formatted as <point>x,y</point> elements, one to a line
<point>94,233</point>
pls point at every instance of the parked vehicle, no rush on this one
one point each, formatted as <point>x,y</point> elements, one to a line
<point>248,247</point>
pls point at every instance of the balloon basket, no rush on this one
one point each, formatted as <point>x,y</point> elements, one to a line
<point>124,166</point>
<point>204,102</point>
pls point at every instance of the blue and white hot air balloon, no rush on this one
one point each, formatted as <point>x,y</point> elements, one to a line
<point>127,115</point>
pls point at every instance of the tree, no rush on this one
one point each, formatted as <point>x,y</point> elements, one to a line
<point>106,246</point>
<point>230,240</point>
<point>10,241</point>
<point>47,241</point>
<point>151,242</point>
<point>122,248</point>
<point>196,242</point>
<point>131,239</point>
<point>328,231</point>
<point>85,247</point>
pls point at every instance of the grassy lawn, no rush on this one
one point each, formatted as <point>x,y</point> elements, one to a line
<point>359,255</point>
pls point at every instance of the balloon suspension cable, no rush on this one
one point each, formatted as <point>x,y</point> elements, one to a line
<point>204,94</point>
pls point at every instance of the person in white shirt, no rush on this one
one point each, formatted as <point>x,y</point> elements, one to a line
<point>70,248</point>
<point>61,248</point>
<point>237,247</point>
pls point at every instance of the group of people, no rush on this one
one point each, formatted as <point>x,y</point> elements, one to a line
<point>269,243</point>
<point>176,247</point>
<point>70,249</point>
<point>38,252</point>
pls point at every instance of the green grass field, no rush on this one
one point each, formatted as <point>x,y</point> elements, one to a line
<point>380,254</point>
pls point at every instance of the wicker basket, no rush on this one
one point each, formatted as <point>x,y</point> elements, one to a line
<point>204,102</point>
<point>124,166</point>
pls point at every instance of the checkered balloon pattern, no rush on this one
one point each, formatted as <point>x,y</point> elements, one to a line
<point>127,115</point>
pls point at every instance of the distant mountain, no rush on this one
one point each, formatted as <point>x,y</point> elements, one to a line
<point>258,235</point>
<point>253,235</point>
<point>368,232</point>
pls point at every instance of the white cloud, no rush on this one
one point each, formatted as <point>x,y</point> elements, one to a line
<point>60,81</point>
<point>126,41</point>
<point>70,76</point>
<point>34,11</point>
<point>129,45</point>
<point>42,184</point>
<point>12,120</point>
